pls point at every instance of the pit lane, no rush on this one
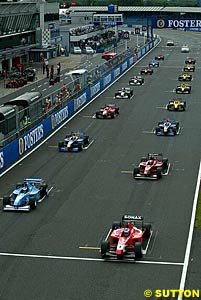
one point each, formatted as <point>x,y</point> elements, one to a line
<point>90,192</point>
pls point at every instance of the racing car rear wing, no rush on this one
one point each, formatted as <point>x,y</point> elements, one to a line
<point>155,155</point>
<point>137,221</point>
<point>33,180</point>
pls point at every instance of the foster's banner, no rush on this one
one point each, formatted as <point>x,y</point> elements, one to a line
<point>176,23</point>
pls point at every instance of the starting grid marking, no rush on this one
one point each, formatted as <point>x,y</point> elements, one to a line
<point>20,255</point>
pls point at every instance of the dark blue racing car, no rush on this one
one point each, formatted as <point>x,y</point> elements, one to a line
<point>74,142</point>
<point>167,127</point>
<point>26,195</point>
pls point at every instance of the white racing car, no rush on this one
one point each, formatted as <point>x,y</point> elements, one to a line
<point>124,93</point>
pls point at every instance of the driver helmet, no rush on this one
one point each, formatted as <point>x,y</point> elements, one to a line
<point>126,231</point>
<point>25,189</point>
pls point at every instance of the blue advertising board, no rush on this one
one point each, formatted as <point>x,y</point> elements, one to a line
<point>176,23</point>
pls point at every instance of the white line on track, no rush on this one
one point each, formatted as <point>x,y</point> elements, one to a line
<point>47,195</point>
<point>45,83</point>
<point>190,235</point>
<point>126,172</point>
<point>107,236</point>
<point>74,115</point>
<point>89,259</point>
<point>33,89</point>
<point>145,250</point>
<point>161,107</point>
<point>39,85</point>
<point>44,90</point>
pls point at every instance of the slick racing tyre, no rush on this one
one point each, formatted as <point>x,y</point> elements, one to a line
<point>86,141</point>
<point>159,173</point>
<point>174,130</point>
<point>32,202</point>
<point>6,200</point>
<point>138,250</point>
<point>105,247</point>
<point>157,130</point>
<point>147,228</point>
<point>80,146</point>
<point>135,172</point>
<point>43,190</point>
<point>61,144</point>
<point>116,225</point>
<point>165,163</point>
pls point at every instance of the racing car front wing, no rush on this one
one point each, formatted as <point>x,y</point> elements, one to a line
<point>143,176</point>
<point>16,208</point>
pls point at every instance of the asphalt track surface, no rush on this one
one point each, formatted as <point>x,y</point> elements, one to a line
<point>93,188</point>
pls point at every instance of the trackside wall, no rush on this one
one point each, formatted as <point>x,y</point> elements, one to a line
<point>20,147</point>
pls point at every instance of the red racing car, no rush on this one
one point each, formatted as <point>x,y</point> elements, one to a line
<point>151,167</point>
<point>109,55</point>
<point>126,238</point>
<point>159,57</point>
<point>109,111</point>
<point>190,60</point>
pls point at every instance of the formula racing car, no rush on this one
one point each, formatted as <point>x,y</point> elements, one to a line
<point>189,68</point>
<point>183,88</point>
<point>176,105</point>
<point>124,93</point>
<point>153,63</point>
<point>185,77</point>
<point>26,195</point>
<point>136,80</point>
<point>167,127</point>
<point>170,43</point>
<point>190,60</point>
<point>126,238</point>
<point>153,166</point>
<point>109,111</point>
<point>74,142</point>
<point>159,57</point>
<point>147,71</point>
<point>185,49</point>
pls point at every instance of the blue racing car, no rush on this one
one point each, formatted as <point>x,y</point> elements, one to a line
<point>153,63</point>
<point>26,195</point>
<point>167,127</point>
<point>74,142</point>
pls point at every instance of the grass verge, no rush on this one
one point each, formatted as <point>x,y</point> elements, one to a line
<point>198,212</point>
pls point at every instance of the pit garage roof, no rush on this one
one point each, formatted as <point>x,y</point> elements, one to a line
<point>166,9</point>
